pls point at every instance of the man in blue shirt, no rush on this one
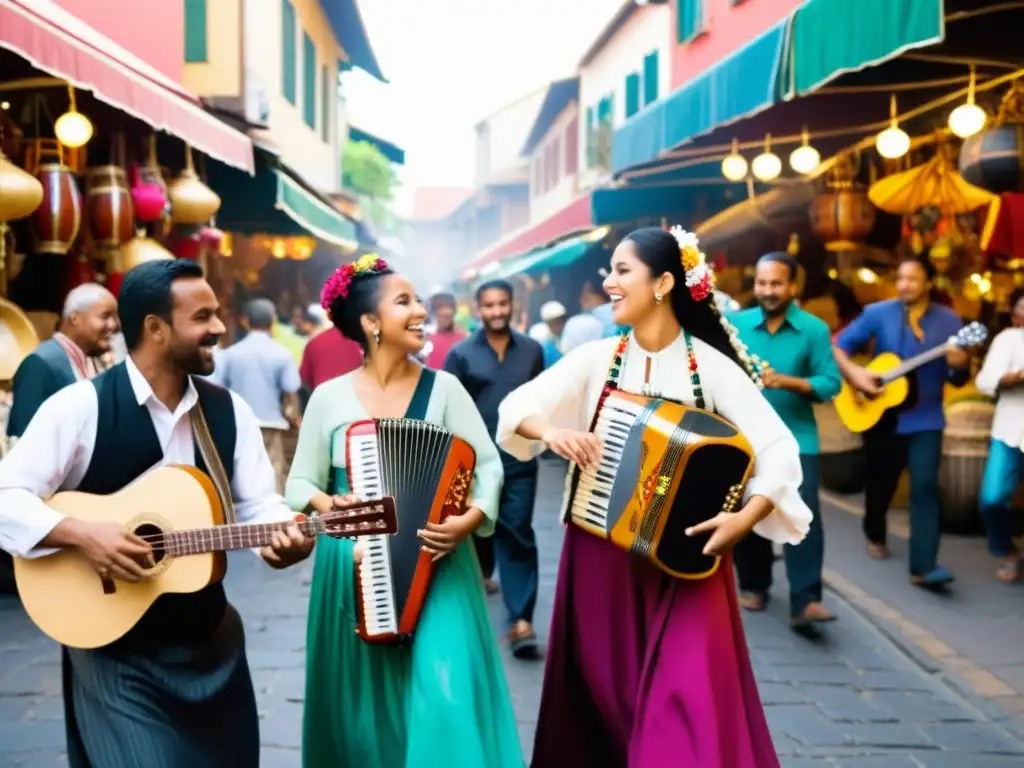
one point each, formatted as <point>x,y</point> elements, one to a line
<point>796,348</point>
<point>911,436</point>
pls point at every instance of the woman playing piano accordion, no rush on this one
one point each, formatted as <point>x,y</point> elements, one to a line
<point>644,669</point>
<point>443,701</point>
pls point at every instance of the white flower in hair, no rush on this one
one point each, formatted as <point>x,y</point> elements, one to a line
<point>684,238</point>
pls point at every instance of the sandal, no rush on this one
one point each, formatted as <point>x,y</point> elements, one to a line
<point>1009,571</point>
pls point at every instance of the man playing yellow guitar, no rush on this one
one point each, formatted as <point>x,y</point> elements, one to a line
<point>909,436</point>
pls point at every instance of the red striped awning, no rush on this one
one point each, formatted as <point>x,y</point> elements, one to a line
<point>574,217</point>
<point>58,42</point>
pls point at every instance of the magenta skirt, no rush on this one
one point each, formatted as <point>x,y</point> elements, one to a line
<point>644,670</point>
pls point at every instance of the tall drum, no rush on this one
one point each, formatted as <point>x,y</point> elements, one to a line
<point>965,444</point>
<point>109,209</point>
<point>56,221</point>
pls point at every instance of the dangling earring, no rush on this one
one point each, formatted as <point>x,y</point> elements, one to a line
<point>376,336</point>
<point>657,298</point>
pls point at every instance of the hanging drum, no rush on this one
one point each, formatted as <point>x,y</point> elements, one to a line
<point>992,159</point>
<point>56,221</point>
<point>109,211</point>
<point>843,215</point>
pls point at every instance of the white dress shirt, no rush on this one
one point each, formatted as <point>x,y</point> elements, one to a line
<point>1005,355</point>
<point>567,393</point>
<point>55,451</point>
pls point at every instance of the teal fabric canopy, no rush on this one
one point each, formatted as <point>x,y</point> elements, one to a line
<point>541,259</point>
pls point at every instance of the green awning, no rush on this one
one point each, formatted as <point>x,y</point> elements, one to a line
<point>831,37</point>
<point>541,259</point>
<point>315,216</point>
<point>274,202</point>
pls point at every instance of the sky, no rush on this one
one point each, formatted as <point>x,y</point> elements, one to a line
<point>451,62</point>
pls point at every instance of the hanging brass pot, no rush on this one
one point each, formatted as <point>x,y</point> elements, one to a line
<point>137,251</point>
<point>192,202</point>
<point>20,192</point>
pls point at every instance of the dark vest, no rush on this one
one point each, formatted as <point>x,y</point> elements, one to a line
<point>126,447</point>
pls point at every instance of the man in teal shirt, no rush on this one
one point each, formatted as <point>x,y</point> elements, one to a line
<point>800,370</point>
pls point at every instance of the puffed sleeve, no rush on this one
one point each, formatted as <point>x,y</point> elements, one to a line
<point>558,395</point>
<point>777,474</point>
<point>462,417</point>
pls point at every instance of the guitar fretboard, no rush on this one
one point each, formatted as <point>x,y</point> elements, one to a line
<point>198,541</point>
<point>915,362</point>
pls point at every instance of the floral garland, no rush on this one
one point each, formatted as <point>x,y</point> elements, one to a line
<point>339,283</point>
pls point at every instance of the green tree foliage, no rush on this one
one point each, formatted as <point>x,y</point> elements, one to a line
<point>367,172</point>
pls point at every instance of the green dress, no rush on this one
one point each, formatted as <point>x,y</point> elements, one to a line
<point>444,701</point>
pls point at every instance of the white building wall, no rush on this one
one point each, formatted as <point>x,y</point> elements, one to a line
<point>544,202</point>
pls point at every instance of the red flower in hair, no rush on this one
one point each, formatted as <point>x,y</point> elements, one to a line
<point>339,283</point>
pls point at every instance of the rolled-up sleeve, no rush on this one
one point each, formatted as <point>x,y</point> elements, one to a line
<point>858,334</point>
<point>825,379</point>
<point>462,417</point>
<point>557,395</point>
<point>777,474</point>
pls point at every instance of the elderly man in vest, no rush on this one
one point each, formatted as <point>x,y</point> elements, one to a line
<point>176,689</point>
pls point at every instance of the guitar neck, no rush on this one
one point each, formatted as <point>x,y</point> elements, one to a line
<point>913,363</point>
<point>220,538</point>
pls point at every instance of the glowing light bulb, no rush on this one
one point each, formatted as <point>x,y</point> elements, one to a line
<point>804,159</point>
<point>967,120</point>
<point>766,167</point>
<point>892,143</point>
<point>73,129</point>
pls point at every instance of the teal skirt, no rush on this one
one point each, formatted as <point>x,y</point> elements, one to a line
<point>442,702</point>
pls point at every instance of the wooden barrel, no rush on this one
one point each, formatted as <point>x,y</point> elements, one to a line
<point>841,452</point>
<point>992,159</point>
<point>109,209</point>
<point>56,221</point>
<point>964,452</point>
<point>842,218</point>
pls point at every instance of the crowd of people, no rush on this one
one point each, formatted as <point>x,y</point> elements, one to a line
<point>641,668</point>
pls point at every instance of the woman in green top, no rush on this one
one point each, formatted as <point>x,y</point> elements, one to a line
<point>443,701</point>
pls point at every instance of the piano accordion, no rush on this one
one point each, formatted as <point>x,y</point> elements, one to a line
<point>428,471</point>
<point>663,468</point>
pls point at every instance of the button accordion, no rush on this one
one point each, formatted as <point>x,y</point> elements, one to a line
<point>428,471</point>
<point>663,468</point>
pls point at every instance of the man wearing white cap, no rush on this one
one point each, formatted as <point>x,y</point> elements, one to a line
<point>552,314</point>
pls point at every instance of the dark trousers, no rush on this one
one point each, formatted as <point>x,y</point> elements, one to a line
<point>1003,471</point>
<point>887,454</point>
<point>754,556</point>
<point>514,547</point>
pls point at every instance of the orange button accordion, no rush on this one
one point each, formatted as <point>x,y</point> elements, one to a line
<point>663,468</point>
<point>428,471</point>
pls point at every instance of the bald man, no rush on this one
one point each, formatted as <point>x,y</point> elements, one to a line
<point>87,323</point>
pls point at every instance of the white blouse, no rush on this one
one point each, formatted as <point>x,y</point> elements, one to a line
<point>567,393</point>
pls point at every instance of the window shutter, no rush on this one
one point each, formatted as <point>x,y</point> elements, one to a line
<point>195,31</point>
<point>325,105</point>
<point>288,50</point>
<point>690,19</point>
<point>650,77</point>
<point>308,81</point>
<point>632,94</point>
<point>572,147</point>
<point>591,138</point>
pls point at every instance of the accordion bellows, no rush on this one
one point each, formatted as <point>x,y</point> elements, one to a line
<point>428,471</point>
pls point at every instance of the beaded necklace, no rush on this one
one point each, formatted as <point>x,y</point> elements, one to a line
<point>615,369</point>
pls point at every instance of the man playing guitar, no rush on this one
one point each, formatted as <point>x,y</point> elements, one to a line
<point>911,436</point>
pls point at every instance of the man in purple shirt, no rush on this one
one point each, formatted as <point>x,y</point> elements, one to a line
<point>911,436</point>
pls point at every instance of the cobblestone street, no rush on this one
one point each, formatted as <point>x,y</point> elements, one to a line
<point>853,699</point>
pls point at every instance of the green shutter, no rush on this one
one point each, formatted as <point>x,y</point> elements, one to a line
<point>308,81</point>
<point>690,19</point>
<point>195,31</point>
<point>632,94</point>
<point>325,104</point>
<point>591,138</point>
<point>288,50</point>
<point>650,78</point>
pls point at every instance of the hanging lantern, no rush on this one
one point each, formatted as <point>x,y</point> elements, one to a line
<point>766,166</point>
<point>734,166</point>
<point>20,192</point>
<point>993,159</point>
<point>968,119</point>
<point>139,250</point>
<point>843,215</point>
<point>72,129</point>
<point>892,143</point>
<point>805,158</point>
<point>192,202</point>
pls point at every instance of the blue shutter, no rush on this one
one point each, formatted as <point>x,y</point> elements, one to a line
<point>308,81</point>
<point>650,77</point>
<point>690,21</point>
<point>288,50</point>
<point>632,94</point>
<point>195,31</point>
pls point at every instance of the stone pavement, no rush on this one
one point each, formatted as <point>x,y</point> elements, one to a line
<point>852,699</point>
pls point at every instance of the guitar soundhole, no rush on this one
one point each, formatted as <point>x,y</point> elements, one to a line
<point>154,535</point>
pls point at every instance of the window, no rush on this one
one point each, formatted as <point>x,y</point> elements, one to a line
<point>195,31</point>
<point>632,94</point>
<point>555,162</point>
<point>325,105</point>
<point>591,138</point>
<point>605,124</point>
<point>288,50</point>
<point>572,147</point>
<point>650,77</point>
<point>690,22</point>
<point>308,81</point>
<point>538,174</point>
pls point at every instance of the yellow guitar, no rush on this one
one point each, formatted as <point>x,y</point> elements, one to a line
<point>177,510</point>
<point>860,413</point>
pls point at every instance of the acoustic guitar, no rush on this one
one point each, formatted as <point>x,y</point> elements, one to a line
<point>860,413</point>
<point>176,509</point>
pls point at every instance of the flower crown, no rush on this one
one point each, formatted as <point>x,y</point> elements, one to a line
<point>700,280</point>
<point>338,284</point>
